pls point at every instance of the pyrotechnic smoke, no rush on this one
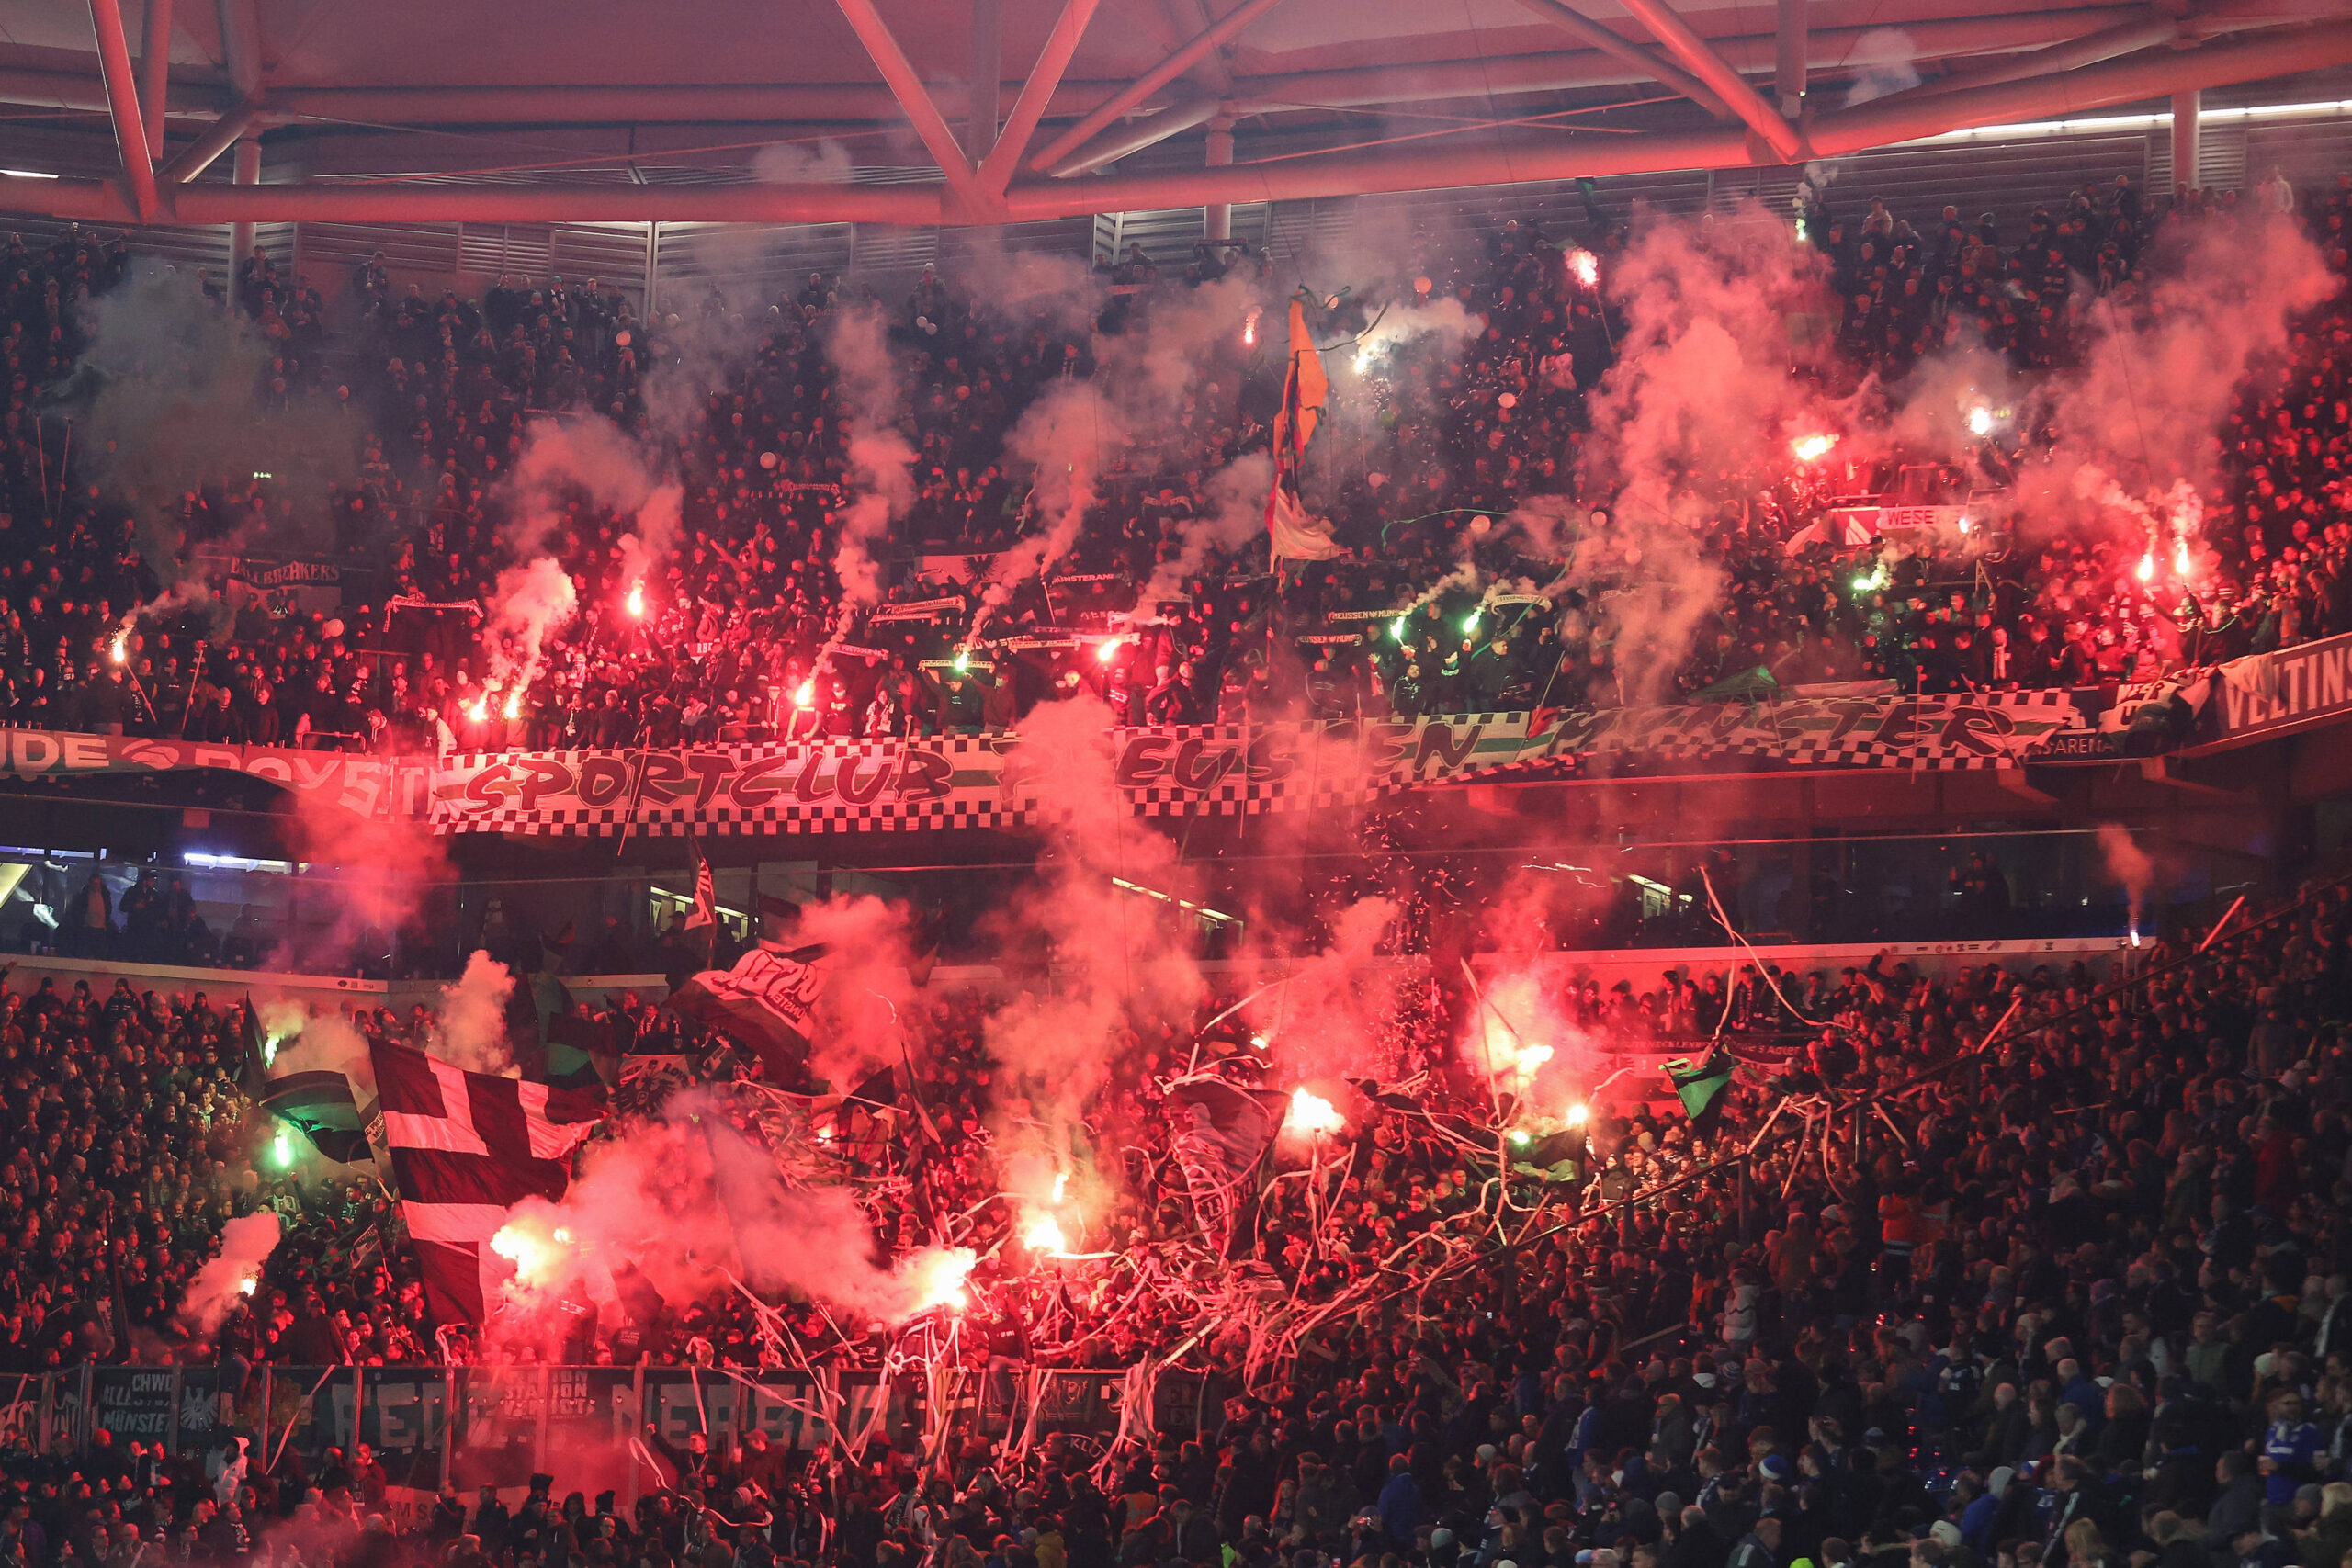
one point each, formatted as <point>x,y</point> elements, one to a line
<point>470,1028</point>
<point>868,984</point>
<point>1110,947</point>
<point>381,863</point>
<point>817,1239</point>
<point>1882,65</point>
<point>1325,1023</point>
<point>1068,438</point>
<point>1401,323</point>
<point>1702,398</point>
<point>1076,429</point>
<point>589,456</point>
<point>1521,1044</point>
<point>172,395</point>
<point>646,546</point>
<point>2157,377</point>
<point>1702,392</point>
<point>881,460</point>
<point>533,600</point>
<point>229,1275</point>
<point>1232,511</point>
<point>788,164</point>
<point>1057,292</point>
<point>186,594</point>
<point>1232,514</point>
<point>317,1042</point>
<point>2129,867</point>
<point>686,1201</point>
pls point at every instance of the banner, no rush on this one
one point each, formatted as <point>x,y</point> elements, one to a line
<point>2264,693</point>
<point>367,787</point>
<point>983,782</point>
<point>1209,769</point>
<point>135,1404</point>
<point>312,585</point>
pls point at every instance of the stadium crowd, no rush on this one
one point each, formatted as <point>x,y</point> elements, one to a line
<point>2078,1298</point>
<point>741,635</point>
<point>2075,1297</point>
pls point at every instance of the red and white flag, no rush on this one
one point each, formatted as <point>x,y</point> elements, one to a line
<point>466,1147</point>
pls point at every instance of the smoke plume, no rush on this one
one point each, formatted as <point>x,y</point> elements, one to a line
<point>314,1043</point>
<point>1111,948</point>
<point>2159,374</point>
<point>2129,867</point>
<point>229,1275</point>
<point>869,954</point>
<point>1232,514</point>
<point>881,460</point>
<point>533,600</point>
<point>469,1029</point>
<point>172,394</point>
<point>692,1206</point>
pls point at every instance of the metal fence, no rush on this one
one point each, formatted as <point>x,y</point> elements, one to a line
<point>585,1425</point>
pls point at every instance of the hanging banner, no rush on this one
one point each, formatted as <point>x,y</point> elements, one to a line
<point>366,786</point>
<point>1209,769</point>
<point>2273,694</point>
<point>985,782</point>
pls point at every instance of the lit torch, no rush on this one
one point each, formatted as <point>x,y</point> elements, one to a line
<point>804,695</point>
<point>939,1277</point>
<point>514,703</point>
<point>637,601</point>
<point>1812,448</point>
<point>534,1259</point>
<point>1586,266</point>
<point>246,1286</point>
<point>479,709</point>
<point>2183,566</point>
<point>1043,1234</point>
<point>1311,1114</point>
<point>2146,570</point>
<point>1249,329</point>
<point>120,649</point>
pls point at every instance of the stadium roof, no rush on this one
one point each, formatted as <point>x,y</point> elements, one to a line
<point>864,110</point>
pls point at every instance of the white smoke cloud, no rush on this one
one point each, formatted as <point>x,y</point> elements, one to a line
<point>881,459</point>
<point>229,1275</point>
<point>530,602</point>
<point>470,1027</point>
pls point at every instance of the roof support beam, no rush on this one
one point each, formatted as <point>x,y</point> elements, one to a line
<point>122,103</point>
<point>1828,49</point>
<point>836,106</point>
<point>1788,66</point>
<point>1217,35</point>
<point>2107,43</point>
<point>1193,16</point>
<point>982,112</point>
<point>155,73</point>
<point>2270,53</point>
<point>2274,52</point>
<point>913,98</point>
<point>218,138</point>
<point>240,44</point>
<point>1137,135</point>
<point>1695,53</point>
<point>1583,29</point>
<point>1036,93</point>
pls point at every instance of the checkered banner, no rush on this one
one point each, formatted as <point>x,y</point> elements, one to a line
<point>1210,770</point>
